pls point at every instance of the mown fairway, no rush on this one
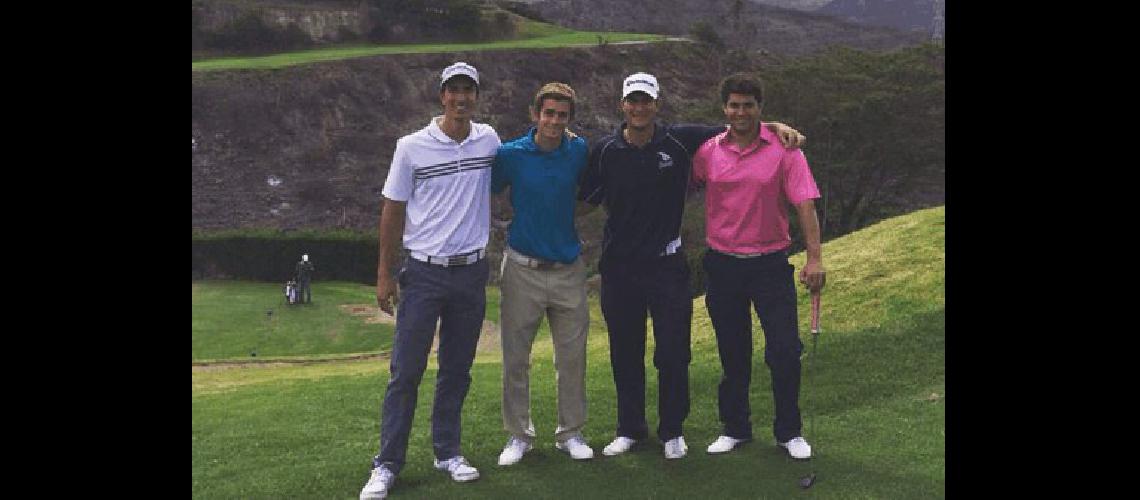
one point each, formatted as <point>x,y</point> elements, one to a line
<point>560,39</point>
<point>873,405</point>
<point>230,320</point>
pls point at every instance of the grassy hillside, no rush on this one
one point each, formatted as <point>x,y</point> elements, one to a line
<point>873,406</point>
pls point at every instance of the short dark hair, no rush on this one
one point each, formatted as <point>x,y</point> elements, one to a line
<point>742,83</point>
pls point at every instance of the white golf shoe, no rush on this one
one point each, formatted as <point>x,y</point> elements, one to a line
<point>620,444</point>
<point>676,448</point>
<point>458,468</point>
<point>724,444</point>
<point>514,451</point>
<point>577,448</point>
<point>797,448</point>
<point>378,484</point>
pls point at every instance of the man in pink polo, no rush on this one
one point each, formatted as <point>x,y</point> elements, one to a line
<point>750,181</point>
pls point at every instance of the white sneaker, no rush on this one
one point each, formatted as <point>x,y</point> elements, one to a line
<point>675,448</point>
<point>378,485</point>
<point>513,451</point>
<point>620,445</point>
<point>459,469</point>
<point>797,448</point>
<point>577,448</point>
<point>724,444</point>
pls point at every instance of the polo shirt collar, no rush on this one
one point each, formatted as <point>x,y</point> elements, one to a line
<point>530,145</point>
<point>438,134</point>
<point>766,137</point>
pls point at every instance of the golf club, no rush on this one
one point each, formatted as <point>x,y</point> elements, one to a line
<point>808,480</point>
<point>269,317</point>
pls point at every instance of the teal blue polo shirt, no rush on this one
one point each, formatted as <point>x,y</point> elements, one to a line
<point>544,186</point>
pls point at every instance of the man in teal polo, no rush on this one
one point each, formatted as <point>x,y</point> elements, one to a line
<point>542,271</point>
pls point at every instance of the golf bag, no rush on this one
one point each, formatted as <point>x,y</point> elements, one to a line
<point>291,292</point>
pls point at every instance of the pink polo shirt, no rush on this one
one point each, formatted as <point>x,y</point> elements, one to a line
<point>748,191</point>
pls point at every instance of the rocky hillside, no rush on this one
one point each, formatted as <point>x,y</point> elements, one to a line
<point>910,15</point>
<point>310,145</point>
<point>758,26</point>
<point>323,21</point>
<point>805,5</point>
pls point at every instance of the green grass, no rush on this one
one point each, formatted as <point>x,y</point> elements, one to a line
<point>544,38</point>
<point>873,403</point>
<point>229,321</point>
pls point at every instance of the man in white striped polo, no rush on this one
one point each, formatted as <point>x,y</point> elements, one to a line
<point>437,204</point>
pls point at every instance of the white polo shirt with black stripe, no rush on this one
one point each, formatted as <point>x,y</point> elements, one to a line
<point>447,186</point>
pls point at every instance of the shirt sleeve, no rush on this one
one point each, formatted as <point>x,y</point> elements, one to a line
<point>581,156</point>
<point>799,185</point>
<point>590,186</point>
<point>700,169</point>
<point>401,175</point>
<point>500,175</point>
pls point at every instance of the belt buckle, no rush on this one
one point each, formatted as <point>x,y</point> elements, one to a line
<point>543,264</point>
<point>457,260</point>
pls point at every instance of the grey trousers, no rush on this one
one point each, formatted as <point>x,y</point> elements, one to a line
<point>527,295</point>
<point>456,296</point>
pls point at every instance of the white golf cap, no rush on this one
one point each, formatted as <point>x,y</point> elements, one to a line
<point>458,69</point>
<point>643,82</point>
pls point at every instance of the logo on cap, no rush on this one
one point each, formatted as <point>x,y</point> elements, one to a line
<point>640,82</point>
<point>459,69</point>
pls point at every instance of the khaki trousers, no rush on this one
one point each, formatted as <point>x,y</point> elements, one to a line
<point>527,295</point>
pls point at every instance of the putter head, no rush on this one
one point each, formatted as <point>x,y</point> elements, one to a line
<point>807,481</point>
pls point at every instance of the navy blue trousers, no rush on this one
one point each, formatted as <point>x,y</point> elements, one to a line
<point>768,284</point>
<point>658,287</point>
<point>457,297</point>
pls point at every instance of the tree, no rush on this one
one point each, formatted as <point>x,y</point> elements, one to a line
<point>704,33</point>
<point>879,120</point>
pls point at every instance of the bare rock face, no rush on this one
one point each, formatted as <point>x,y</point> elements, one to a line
<point>310,146</point>
<point>745,24</point>
<point>322,20</point>
<point>908,15</point>
<point>804,5</point>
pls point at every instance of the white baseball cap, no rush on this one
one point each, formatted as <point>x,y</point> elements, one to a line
<point>643,82</point>
<point>458,69</point>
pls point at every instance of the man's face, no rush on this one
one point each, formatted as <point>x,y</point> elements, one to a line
<point>743,113</point>
<point>640,109</point>
<point>458,98</point>
<point>552,118</point>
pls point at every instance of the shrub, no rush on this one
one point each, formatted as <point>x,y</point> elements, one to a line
<point>250,32</point>
<point>704,33</point>
<point>270,255</point>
